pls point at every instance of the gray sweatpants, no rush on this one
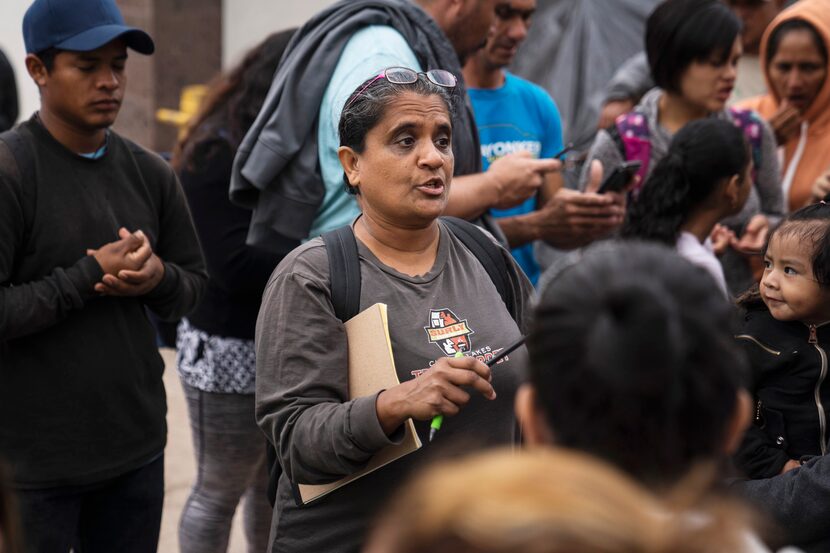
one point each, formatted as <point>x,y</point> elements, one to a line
<point>230,453</point>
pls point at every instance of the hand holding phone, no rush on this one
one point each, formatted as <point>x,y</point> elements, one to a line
<point>620,177</point>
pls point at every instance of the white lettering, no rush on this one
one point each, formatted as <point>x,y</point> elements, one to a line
<point>496,150</point>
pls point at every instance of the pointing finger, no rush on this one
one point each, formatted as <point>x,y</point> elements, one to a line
<point>546,165</point>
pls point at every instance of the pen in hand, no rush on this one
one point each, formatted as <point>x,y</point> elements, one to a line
<point>437,420</point>
<point>505,351</point>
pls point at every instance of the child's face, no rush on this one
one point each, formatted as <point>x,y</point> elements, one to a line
<point>788,286</point>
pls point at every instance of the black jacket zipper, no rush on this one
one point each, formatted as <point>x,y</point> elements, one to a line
<point>822,417</point>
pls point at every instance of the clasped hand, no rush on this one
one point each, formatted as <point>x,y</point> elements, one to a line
<point>438,391</point>
<point>129,264</point>
<point>785,123</point>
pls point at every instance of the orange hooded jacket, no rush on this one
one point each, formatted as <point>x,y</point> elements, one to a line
<point>814,142</point>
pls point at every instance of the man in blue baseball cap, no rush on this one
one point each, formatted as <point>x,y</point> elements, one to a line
<point>93,230</point>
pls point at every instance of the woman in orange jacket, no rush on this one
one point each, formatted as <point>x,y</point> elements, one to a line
<point>794,52</point>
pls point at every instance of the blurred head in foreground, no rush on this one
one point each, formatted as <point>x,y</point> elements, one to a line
<point>540,501</point>
<point>633,362</point>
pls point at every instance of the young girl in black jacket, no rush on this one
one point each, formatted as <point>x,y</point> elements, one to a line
<point>787,340</point>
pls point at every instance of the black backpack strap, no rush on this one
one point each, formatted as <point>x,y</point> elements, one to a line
<point>489,255</point>
<point>20,150</point>
<point>344,271</point>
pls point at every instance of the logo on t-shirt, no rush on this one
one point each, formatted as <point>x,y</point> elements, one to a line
<point>495,150</point>
<point>447,331</point>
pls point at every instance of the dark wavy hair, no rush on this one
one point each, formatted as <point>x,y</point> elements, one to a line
<point>367,105</point>
<point>232,103</point>
<point>633,361</point>
<point>701,155</point>
<point>679,32</point>
<point>809,225</point>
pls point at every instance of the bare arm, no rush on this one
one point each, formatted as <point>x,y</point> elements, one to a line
<point>509,181</point>
<point>470,196</point>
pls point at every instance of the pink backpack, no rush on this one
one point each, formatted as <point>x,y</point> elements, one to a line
<point>631,133</point>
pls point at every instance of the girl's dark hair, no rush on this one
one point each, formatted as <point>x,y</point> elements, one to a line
<point>679,32</point>
<point>232,103</point>
<point>367,105</point>
<point>700,156</point>
<point>633,361</point>
<point>809,225</point>
<point>788,26</point>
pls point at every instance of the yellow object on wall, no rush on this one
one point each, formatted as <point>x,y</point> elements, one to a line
<point>189,102</point>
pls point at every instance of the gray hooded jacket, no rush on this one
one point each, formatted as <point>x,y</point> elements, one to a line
<point>276,171</point>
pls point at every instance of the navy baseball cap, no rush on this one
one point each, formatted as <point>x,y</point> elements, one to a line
<point>79,25</point>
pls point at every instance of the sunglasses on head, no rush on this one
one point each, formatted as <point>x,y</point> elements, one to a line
<point>404,75</point>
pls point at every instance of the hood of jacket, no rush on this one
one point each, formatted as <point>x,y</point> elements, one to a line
<point>813,160</point>
<point>816,13</point>
<point>276,171</point>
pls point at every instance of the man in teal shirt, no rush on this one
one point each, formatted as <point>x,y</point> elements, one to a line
<point>518,118</point>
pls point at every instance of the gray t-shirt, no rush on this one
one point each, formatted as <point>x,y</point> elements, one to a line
<point>302,381</point>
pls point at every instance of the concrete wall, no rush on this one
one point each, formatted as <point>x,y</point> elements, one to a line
<point>187,52</point>
<point>246,22</point>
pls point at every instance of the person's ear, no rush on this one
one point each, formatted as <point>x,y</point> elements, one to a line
<point>455,9</point>
<point>349,159</point>
<point>732,190</point>
<point>535,429</point>
<point>738,422</point>
<point>37,70</point>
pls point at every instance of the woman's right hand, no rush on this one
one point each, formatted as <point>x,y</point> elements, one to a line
<point>785,123</point>
<point>821,188</point>
<point>438,391</point>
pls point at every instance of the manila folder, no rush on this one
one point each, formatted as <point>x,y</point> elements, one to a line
<point>371,369</point>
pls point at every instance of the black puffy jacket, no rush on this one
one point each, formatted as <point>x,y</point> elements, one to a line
<point>789,374</point>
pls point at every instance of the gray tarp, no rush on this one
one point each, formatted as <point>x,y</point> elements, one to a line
<point>573,49</point>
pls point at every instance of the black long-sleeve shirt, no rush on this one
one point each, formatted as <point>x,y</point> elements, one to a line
<point>238,272</point>
<point>81,395</point>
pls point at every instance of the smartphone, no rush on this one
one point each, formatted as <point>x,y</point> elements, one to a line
<point>564,151</point>
<point>620,177</point>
